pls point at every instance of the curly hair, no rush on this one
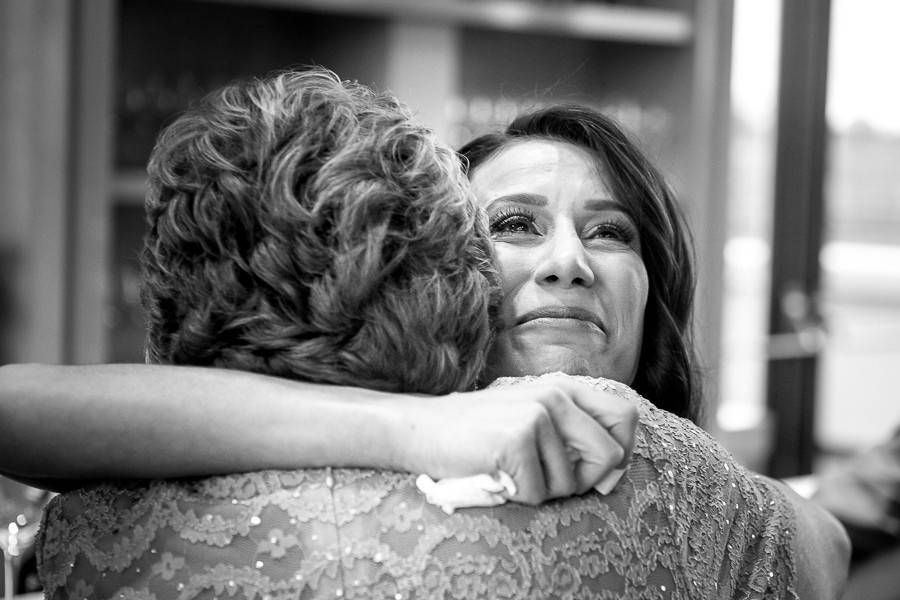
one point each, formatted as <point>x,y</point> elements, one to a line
<point>306,227</point>
<point>666,372</point>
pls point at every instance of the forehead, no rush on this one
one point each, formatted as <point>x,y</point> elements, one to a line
<point>544,166</point>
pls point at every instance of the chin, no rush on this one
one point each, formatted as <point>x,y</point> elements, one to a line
<point>573,368</point>
<point>556,360</point>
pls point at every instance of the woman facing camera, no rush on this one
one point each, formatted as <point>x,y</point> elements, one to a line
<point>281,212</point>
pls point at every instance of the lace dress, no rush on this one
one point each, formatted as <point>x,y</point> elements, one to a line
<point>684,522</point>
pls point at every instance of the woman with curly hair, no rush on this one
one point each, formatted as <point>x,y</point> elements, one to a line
<point>296,229</point>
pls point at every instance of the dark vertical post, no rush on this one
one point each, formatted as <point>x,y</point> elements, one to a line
<point>797,234</point>
<point>90,173</point>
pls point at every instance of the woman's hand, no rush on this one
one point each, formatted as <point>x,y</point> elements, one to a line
<point>555,437</point>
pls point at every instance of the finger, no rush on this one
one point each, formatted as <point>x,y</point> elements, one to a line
<point>520,458</point>
<point>598,460</point>
<point>559,475</point>
<point>591,443</point>
<point>614,413</point>
<point>528,474</point>
<point>507,482</point>
<point>608,483</point>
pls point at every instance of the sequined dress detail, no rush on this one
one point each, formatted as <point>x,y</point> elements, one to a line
<point>686,521</point>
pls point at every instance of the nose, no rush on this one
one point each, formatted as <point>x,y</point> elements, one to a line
<point>564,261</point>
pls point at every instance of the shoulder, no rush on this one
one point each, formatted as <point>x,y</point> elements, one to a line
<point>784,534</point>
<point>821,545</point>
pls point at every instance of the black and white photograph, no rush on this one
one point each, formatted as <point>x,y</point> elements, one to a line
<point>449,299</point>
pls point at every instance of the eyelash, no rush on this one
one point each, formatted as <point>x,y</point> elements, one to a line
<point>623,232</point>
<point>509,216</point>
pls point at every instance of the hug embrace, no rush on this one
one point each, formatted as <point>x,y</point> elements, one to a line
<point>337,303</point>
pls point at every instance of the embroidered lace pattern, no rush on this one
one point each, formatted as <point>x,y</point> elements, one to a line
<point>684,522</point>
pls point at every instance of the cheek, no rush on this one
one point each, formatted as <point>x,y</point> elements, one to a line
<point>634,288</point>
<point>515,267</point>
<point>642,286</point>
<point>512,264</point>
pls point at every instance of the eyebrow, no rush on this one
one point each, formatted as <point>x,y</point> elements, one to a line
<point>523,198</point>
<point>538,200</point>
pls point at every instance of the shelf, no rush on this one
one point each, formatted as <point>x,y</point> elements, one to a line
<point>667,27</point>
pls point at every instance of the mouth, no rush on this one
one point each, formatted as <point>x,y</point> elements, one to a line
<point>562,312</point>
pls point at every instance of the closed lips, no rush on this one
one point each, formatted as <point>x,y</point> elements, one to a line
<point>562,312</point>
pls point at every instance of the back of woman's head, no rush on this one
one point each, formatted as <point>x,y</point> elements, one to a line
<point>666,372</point>
<point>306,227</point>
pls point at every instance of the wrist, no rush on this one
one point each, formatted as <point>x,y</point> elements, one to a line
<point>398,428</point>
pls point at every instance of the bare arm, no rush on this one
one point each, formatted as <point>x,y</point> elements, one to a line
<point>62,425</point>
<point>822,550</point>
<point>141,421</point>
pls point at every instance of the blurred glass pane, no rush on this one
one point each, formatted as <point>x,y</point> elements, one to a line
<point>858,398</point>
<point>742,384</point>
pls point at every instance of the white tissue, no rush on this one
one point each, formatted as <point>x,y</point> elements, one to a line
<point>485,490</point>
<point>464,492</point>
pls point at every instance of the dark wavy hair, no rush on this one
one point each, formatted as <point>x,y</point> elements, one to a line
<point>666,373</point>
<point>306,227</point>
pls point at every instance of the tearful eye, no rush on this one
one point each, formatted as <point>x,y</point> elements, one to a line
<point>512,222</point>
<point>614,231</point>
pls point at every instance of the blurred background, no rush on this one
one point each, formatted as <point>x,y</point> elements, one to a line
<point>777,122</point>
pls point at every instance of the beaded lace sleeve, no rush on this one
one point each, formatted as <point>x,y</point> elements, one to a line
<point>684,522</point>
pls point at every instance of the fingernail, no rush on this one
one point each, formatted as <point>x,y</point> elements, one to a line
<point>608,483</point>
